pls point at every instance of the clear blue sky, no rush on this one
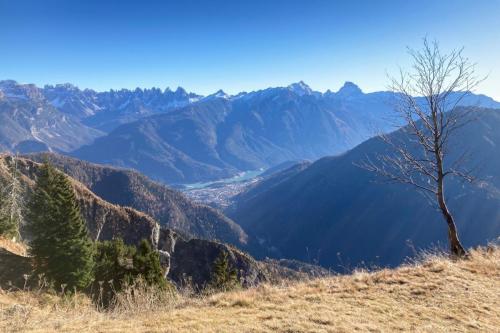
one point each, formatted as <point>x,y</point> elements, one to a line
<point>236,45</point>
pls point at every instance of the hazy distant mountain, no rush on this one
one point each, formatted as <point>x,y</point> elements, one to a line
<point>64,117</point>
<point>169,207</point>
<point>28,122</point>
<point>221,135</point>
<point>342,215</point>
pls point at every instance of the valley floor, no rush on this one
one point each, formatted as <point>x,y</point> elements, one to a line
<point>437,295</point>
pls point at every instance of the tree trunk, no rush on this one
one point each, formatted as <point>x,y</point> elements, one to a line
<point>456,247</point>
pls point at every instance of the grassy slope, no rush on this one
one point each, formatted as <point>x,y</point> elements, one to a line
<point>437,295</point>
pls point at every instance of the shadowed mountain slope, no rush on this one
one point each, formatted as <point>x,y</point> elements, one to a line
<point>341,215</point>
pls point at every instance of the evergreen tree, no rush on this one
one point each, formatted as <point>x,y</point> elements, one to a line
<point>147,264</point>
<point>118,264</point>
<point>113,269</point>
<point>224,277</point>
<point>61,248</point>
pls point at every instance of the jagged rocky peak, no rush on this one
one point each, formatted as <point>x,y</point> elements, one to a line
<point>4,84</point>
<point>349,89</point>
<point>13,89</point>
<point>63,86</point>
<point>300,88</point>
<point>180,93</point>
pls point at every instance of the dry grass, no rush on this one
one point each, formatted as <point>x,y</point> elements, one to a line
<point>438,295</point>
<point>14,247</point>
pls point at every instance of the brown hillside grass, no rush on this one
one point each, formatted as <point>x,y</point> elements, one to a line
<point>14,247</point>
<point>436,295</point>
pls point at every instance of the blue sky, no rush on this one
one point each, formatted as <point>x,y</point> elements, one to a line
<point>237,45</point>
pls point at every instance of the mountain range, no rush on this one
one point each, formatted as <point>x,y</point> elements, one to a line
<point>220,135</point>
<point>340,215</point>
<point>179,137</point>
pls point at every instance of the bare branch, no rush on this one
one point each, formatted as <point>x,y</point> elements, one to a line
<point>427,102</point>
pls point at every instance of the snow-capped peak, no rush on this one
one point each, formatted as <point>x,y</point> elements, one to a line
<point>219,94</point>
<point>300,88</point>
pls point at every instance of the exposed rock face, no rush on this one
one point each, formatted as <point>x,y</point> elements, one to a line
<point>167,240</point>
<point>165,262</point>
<point>192,262</point>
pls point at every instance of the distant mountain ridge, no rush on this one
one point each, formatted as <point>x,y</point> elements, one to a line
<point>180,137</point>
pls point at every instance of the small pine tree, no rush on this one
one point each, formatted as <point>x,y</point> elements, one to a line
<point>113,269</point>
<point>224,277</point>
<point>147,264</point>
<point>118,265</point>
<point>61,247</point>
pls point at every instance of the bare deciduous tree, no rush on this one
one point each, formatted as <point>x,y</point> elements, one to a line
<point>427,100</point>
<point>13,204</point>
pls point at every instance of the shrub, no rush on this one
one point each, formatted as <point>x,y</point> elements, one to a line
<point>224,277</point>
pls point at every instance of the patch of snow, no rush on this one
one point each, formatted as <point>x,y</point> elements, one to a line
<point>11,95</point>
<point>56,102</point>
<point>124,104</point>
<point>218,94</point>
<point>300,88</point>
<point>194,99</point>
<point>34,133</point>
<point>489,141</point>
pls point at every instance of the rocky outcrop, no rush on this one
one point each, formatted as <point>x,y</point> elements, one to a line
<point>192,263</point>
